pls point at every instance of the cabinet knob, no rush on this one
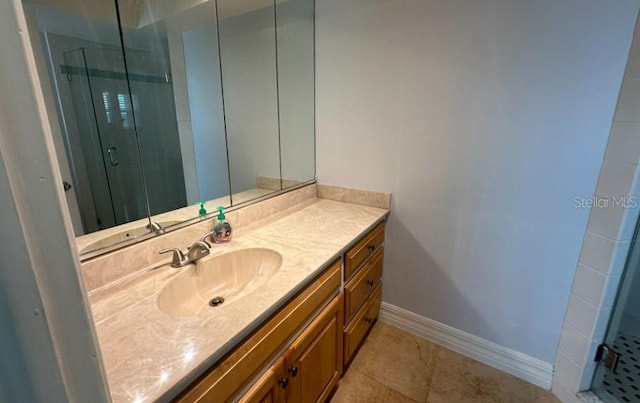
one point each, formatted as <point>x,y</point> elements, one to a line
<point>371,247</point>
<point>368,320</point>
<point>293,371</point>
<point>370,282</point>
<point>283,382</point>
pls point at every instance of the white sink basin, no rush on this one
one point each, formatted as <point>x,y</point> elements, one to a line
<point>232,276</point>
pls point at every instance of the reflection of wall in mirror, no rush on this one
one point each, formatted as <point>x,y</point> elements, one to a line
<point>248,55</point>
<point>296,89</point>
<point>196,78</point>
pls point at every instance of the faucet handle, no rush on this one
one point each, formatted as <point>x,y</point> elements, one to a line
<point>179,259</point>
<point>197,250</point>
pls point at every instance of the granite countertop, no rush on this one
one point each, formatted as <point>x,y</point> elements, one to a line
<point>149,355</point>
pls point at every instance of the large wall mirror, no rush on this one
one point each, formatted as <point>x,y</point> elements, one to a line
<point>159,105</point>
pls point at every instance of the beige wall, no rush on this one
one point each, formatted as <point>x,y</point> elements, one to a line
<point>484,120</point>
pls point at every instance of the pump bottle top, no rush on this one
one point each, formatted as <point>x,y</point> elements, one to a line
<point>202,211</point>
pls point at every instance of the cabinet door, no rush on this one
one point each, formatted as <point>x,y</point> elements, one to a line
<point>269,388</point>
<point>314,362</point>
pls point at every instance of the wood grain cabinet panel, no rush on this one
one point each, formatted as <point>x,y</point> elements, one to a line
<point>362,284</point>
<point>363,274</point>
<point>363,321</point>
<point>267,389</point>
<point>314,362</point>
<point>225,380</point>
<point>362,250</point>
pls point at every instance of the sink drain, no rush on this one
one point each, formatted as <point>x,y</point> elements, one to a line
<point>215,301</point>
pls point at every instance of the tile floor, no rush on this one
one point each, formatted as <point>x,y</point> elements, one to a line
<point>395,366</point>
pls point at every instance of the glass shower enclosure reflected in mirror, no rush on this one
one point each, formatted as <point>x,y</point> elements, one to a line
<point>80,61</point>
<point>185,128</point>
<point>164,104</point>
<point>105,153</point>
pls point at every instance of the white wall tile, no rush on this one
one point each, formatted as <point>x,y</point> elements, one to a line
<point>564,395</point>
<point>633,66</point>
<point>624,143</point>
<point>616,179</point>
<point>597,251</point>
<point>581,315</point>
<point>567,373</point>
<point>574,344</point>
<point>603,254</point>
<point>588,284</point>
<point>606,222</point>
<point>628,102</point>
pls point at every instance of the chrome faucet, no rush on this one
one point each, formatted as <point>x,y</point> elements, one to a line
<point>196,251</point>
<point>155,227</point>
<point>205,236</point>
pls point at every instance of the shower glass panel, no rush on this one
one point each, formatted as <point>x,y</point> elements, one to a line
<point>110,183</point>
<point>622,383</point>
<point>180,123</point>
<point>157,128</point>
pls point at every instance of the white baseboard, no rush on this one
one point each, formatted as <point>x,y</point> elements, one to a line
<point>510,361</point>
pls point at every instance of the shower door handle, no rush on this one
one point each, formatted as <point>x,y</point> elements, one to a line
<point>113,156</point>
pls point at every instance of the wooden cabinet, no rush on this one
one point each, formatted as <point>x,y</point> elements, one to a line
<point>303,363</point>
<point>362,289</point>
<point>314,362</point>
<point>268,389</point>
<point>363,283</point>
<point>356,330</point>
<point>362,250</point>
<point>228,377</point>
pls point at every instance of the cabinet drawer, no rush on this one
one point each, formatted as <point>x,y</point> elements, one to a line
<point>362,250</point>
<point>362,284</point>
<point>362,322</point>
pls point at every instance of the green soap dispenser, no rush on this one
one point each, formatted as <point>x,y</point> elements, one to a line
<point>222,229</point>
<point>203,211</point>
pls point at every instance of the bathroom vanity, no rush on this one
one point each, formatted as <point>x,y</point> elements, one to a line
<point>289,338</point>
<point>311,365</point>
<point>151,145</point>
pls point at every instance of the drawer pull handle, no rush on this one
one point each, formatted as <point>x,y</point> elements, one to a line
<point>371,247</point>
<point>293,371</point>
<point>370,282</point>
<point>283,382</point>
<point>368,320</point>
